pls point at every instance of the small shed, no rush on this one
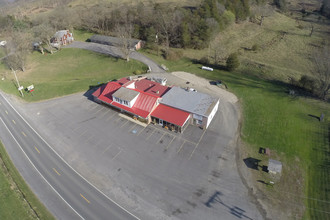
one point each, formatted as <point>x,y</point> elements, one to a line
<point>274,166</point>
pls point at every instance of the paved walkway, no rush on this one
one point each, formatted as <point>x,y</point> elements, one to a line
<point>115,52</point>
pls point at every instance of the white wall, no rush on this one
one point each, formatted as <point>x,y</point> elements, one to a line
<point>215,109</point>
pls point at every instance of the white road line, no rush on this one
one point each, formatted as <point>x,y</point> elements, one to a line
<point>116,155</point>
<point>39,171</point>
<point>67,163</point>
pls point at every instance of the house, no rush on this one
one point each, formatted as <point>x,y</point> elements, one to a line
<point>200,106</point>
<point>134,44</point>
<point>171,107</point>
<point>62,37</point>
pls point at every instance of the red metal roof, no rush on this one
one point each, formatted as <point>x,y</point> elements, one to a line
<point>151,87</point>
<point>109,89</point>
<point>169,114</point>
<point>122,81</point>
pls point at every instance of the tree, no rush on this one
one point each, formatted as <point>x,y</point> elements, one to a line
<point>124,32</point>
<point>232,62</point>
<point>17,50</point>
<point>44,33</point>
<point>321,70</point>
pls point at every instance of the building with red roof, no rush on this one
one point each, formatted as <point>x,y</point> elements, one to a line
<point>138,97</point>
<point>171,107</point>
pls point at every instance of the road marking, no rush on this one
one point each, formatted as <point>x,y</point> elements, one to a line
<point>161,138</point>
<point>150,134</point>
<point>197,145</point>
<point>116,155</point>
<point>37,149</point>
<point>111,116</point>
<point>85,198</point>
<point>124,124</point>
<point>106,149</point>
<point>6,112</point>
<point>166,148</point>
<point>56,172</point>
<point>131,129</point>
<point>184,141</point>
<point>14,121</point>
<point>23,133</point>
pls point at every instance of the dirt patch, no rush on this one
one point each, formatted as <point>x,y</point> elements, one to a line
<point>198,82</point>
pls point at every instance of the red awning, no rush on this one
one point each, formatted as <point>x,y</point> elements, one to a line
<point>171,115</point>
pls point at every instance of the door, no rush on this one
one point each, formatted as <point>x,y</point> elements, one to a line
<point>161,122</point>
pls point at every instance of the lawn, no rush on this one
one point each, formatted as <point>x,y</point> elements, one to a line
<point>286,124</point>
<point>67,71</point>
<point>14,194</point>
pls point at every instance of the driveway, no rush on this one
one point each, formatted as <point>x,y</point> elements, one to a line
<point>154,173</point>
<point>115,52</point>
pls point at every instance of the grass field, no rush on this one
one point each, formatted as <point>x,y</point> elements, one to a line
<point>14,194</point>
<point>285,124</point>
<point>67,71</point>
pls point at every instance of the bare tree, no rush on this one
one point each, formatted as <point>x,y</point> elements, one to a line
<point>124,32</point>
<point>260,12</point>
<point>44,33</point>
<point>321,58</point>
<point>17,50</point>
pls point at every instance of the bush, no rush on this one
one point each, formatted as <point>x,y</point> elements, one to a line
<point>308,83</point>
<point>232,62</point>
<point>137,72</point>
<point>205,60</point>
<point>255,47</point>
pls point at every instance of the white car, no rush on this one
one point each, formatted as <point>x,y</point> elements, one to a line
<point>3,43</point>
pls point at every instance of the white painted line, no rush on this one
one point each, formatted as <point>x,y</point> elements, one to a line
<point>184,141</point>
<point>116,155</point>
<point>67,163</point>
<point>150,134</point>
<point>166,148</point>
<point>39,171</point>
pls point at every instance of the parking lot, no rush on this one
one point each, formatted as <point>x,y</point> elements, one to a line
<point>154,172</point>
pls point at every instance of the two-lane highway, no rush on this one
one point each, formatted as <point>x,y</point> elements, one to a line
<point>85,199</point>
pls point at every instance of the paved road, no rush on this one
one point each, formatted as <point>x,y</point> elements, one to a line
<point>115,52</point>
<point>85,200</point>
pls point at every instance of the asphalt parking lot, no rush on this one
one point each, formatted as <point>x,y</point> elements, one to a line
<point>155,173</point>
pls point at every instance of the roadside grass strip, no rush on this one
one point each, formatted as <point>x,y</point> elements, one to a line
<point>16,199</point>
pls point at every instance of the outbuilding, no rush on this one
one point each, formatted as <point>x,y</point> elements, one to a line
<point>274,166</point>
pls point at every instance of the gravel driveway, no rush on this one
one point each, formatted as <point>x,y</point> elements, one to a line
<point>115,52</point>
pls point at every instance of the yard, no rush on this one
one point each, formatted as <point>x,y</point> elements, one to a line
<point>65,72</point>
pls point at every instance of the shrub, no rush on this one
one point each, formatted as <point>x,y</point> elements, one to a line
<point>255,47</point>
<point>205,60</point>
<point>232,62</point>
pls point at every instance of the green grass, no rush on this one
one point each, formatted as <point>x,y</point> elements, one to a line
<point>67,71</point>
<point>274,119</point>
<point>81,35</point>
<point>13,191</point>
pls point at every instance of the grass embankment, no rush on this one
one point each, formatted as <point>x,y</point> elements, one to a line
<point>68,71</point>
<point>16,199</point>
<point>285,124</point>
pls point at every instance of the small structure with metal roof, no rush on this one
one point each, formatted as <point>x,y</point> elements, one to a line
<point>274,166</point>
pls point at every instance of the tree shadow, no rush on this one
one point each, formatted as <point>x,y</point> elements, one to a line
<point>234,210</point>
<point>252,163</point>
<point>314,116</point>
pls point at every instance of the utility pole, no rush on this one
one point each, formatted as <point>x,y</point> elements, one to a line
<point>19,87</point>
